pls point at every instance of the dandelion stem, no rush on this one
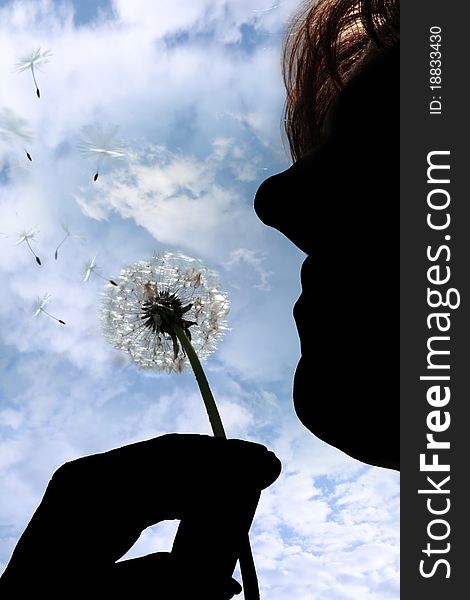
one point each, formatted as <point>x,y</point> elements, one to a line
<point>209,402</point>
<point>247,565</point>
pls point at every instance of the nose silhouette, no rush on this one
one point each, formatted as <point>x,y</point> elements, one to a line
<point>341,180</point>
<point>285,201</point>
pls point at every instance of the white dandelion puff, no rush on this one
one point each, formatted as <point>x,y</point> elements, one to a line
<point>100,143</point>
<point>92,267</point>
<point>25,237</point>
<point>32,61</point>
<point>137,314</point>
<point>41,303</point>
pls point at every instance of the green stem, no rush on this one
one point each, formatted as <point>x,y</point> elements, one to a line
<point>209,402</point>
<point>247,565</point>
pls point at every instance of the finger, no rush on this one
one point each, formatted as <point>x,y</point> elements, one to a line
<point>189,455</point>
<point>161,576</point>
<point>160,478</point>
<point>214,533</point>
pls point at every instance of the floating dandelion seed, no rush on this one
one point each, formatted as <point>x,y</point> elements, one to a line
<point>92,267</point>
<point>264,10</point>
<point>68,234</point>
<point>41,303</point>
<point>32,60</point>
<point>26,236</point>
<point>13,129</point>
<point>167,314</point>
<point>137,313</point>
<point>100,143</point>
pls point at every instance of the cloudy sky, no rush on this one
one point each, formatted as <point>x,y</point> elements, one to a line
<point>195,89</point>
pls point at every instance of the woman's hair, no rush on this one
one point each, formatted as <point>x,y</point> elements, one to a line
<point>325,40</point>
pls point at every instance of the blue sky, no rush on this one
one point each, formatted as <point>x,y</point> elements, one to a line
<point>196,91</point>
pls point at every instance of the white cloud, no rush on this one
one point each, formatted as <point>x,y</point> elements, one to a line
<point>176,198</point>
<point>253,259</point>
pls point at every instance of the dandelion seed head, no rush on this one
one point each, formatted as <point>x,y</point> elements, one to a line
<point>133,313</point>
<point>33,59</point>
<point>100,142</point>
<point>40,304</point>
<point>90,268</point>
<point>27,235</point>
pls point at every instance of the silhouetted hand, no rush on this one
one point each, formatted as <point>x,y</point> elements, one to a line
<point>96,507</point>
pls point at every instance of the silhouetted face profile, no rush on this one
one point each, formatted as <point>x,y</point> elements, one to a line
<point>340,205</point>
